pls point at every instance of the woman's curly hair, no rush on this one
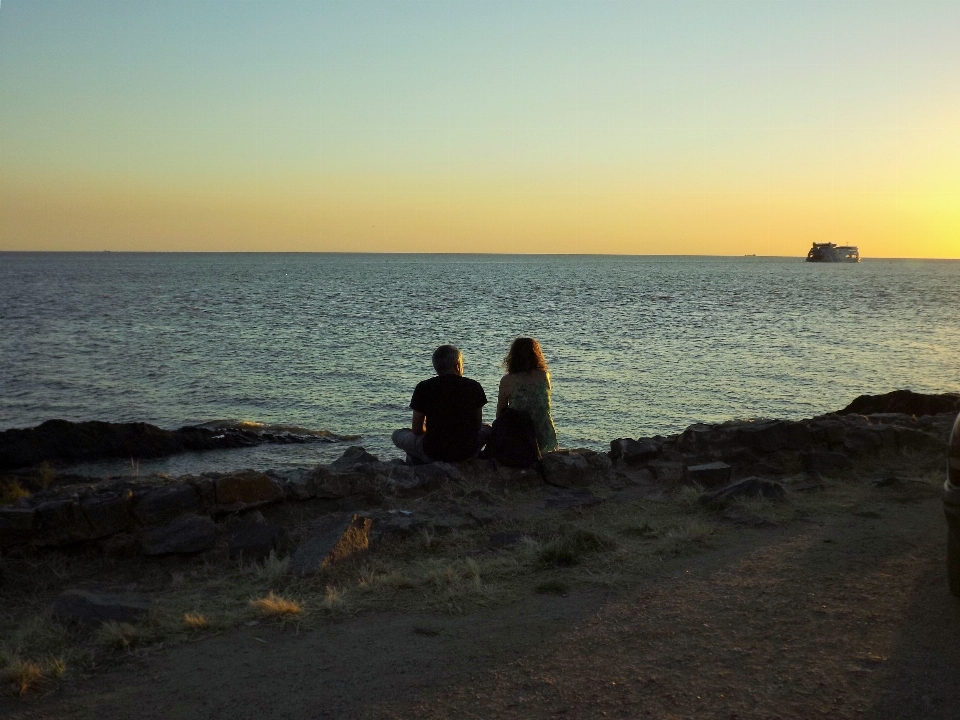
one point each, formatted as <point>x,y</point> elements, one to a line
<point>524,354</point>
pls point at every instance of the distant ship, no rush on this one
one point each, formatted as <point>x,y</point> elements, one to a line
<point>829,252</point>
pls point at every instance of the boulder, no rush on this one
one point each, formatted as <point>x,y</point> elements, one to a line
<point>16,525</point>
<point>404,480</point>
<point>251,536</point>
<point>749,487</point>
<point>352,457</point>
<point>667,472</point>
<point>904,401</point>
<point>634,452</point>
<point>246,489</point>
<point>331,542</point>
<point>708,475</point>
<point>824,463</point>
<point>329,484</point>
<point>98,607</point>
<point>164,503</point>
<point>576,468</point>
<point>295,484</point>
<point>187,534</point>
<point>434,475</point>
<point>772,435</point>
<point>59,522</point>
<point>107,513</point>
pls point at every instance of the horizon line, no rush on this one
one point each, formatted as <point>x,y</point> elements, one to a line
<point>490,254</point>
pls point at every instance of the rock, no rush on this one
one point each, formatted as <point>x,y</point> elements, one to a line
<point>251,536</point>
<point>634,452</point>
<point>187,534</point>
<point>206,489</point>
<point>434,475</point>
<point>667,472</point>
<point>904,401</point>
<point>246,489</point>
<point>824,463</point>
<point>771,435</point>
<point>750,487</point>
<point>96,607</point>
<point>165,503</point>
<point>708,475</point>
<point>575,468</point>
<point>16,525</point>
<point>331,543</point>
<point>59,522</point>
<point>403,480</point>
<point>329,484</point>
<point>107,513</point>
<point>352,457</point>
<point>60,440</point>
<point>295,484</point>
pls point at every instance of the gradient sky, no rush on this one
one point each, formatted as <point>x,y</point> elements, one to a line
<point>604,127</point>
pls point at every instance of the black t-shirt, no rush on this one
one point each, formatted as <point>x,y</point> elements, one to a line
<point>450,403</point>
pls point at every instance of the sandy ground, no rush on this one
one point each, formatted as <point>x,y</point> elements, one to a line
<point>847,616</point>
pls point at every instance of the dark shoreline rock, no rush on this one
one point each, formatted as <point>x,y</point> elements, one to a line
<point>70,442</point>
<point>905,402</point>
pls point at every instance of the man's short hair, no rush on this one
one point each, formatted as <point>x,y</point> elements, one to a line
<point>446,358</point>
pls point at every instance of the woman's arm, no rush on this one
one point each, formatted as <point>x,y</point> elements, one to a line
<point>503,395</point>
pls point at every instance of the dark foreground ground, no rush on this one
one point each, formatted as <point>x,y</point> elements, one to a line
<point>840,616</point>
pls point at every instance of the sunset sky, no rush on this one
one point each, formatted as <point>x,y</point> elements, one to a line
<point>715,128</point>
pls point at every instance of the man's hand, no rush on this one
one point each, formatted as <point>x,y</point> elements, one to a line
<point>419,423</point>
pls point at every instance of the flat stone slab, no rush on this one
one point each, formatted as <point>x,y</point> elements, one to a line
<point>330,544</point>
<point>708,475</point>
<point>188,534</point>
<point>749,487</point>
<point>97,607</point>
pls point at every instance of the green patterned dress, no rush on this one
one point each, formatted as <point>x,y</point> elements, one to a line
<point>533,400</point>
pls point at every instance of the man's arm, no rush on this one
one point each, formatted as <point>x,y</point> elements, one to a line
<point>419,423</point>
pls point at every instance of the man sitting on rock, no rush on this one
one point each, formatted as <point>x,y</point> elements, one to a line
<point>447,414</point>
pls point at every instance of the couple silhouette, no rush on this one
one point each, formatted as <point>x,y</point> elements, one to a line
<point>447,423</point>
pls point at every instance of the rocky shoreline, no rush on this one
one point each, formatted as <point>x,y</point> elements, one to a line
<point>352,498</point>
<point>61,441</point>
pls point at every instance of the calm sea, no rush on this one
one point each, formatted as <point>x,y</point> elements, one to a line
<point>637,345</point>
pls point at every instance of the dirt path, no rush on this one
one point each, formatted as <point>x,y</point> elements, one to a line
<point>845,618</point>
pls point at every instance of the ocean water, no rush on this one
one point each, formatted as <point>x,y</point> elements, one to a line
<point>636,345</point>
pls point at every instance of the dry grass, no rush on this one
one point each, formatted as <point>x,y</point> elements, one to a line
<point>45,475</point>
<point>11,491</point>
<point>195,621</point>
<point>271,570</point>
<point>687,497</point>
<point>275,606</point>
<point>22,676</point>
<point>120,636</point>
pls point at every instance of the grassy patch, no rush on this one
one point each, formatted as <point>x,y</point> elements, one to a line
<point>11,491</point>
<point>275,606</point>
<point>571,545</point>
<point>552,587</point>
<point>195,621</point>
<point>119,636</point>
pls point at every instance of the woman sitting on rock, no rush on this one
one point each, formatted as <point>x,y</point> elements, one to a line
<point>526,388</point>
